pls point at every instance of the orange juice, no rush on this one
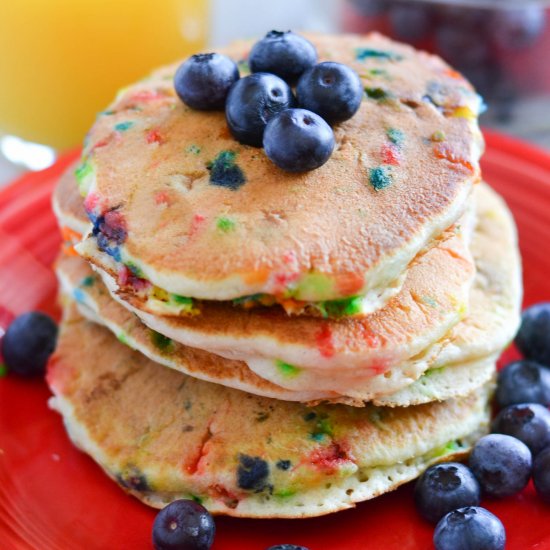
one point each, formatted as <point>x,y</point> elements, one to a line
<point>61,61</point>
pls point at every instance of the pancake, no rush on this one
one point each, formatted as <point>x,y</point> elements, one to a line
<point>488,329</point>
<point>79,283</point>
<point>174,197</point>
<point>162,435</point>
<point>69,210</point>
<point>433,299</point>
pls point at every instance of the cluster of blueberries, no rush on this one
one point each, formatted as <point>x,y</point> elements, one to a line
<point>262,110</point>
<point>502,463</point>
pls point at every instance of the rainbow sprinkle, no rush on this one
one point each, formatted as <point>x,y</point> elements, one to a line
<point>286,369</point>
<point>225,224</point>
<point>365,53</point>
<point>123,126</point>
<point>380,177</point>
<point>224,172</point>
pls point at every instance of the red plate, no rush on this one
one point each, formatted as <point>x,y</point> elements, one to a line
<point>54,497</point>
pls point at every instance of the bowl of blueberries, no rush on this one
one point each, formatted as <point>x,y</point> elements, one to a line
<point>501,46</point>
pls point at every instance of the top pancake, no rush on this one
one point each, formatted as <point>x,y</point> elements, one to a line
<point>203,216</point>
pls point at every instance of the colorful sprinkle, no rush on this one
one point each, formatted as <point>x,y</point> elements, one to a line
<point>368,73</point>
<point>194,149</point>
<point>285,493</point>
<point>160,341</point>
<point>79,295</point>
<point>3,370</point>
<point>225,224</point>
<point>390,155</point>
<point>379,94</point>
<point>397,137</point>
<point>365,53</point>
<point>154,136</point>
<point>464,112</point>
<point>162,197</point>
<point>330,458</point>
<point>244,67</point>
<point>123,126</point>
<point>282,281</point>
<point>430,301</point>
<point>380,177</point>
<point>343,307</point>
<point>446,152</point>
<point>286,369</point>
<point>198,220</point>
<point>438,136</point>
<point>450,447</point>
<point>325,345</point>
<point>283,464</point>
<point>87,281</point>
<point>122,338</point>
<point>82,173</point>
<point>224,172</point>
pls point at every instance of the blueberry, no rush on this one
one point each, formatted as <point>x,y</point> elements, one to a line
<point>297,140</point>
<point>518,28</point>
<point>445,487</point>
<point>541,474</point>
<point>533,338</point>
<point>285,54</point>
<point>332,90</point>
<point>523,382</point>
<point>287,547</point>
<point>183,524</point>
<point>252,473</point>
<point>28,343</point>
<point>528,422</point>
<point>470,528</point>
<point>410,22</point>
<point>252,102</point>
<point>203,81</point>
<point>502,465</point>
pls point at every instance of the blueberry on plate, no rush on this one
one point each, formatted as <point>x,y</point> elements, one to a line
<point>183,524</point>
<point>252,102</point>
<point>445,487</point>
<point>287,547</point>
<point>28,343</point>
<point>204,80</point>
<point>533,338</point>
<point>523,382</point>
<point>285,54</point>
<point>515,29</point>
<point>470,528</point>
<point>528,422</point>
<point>541,474</point>
<point>332,90</point>
<point>297,140</point>
<point>502,465</point>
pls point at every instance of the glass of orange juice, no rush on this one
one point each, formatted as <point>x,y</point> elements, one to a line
<point>61,61</point>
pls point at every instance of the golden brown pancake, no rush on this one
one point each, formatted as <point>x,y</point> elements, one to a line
<point>199,215</point>
<point>163,435</point>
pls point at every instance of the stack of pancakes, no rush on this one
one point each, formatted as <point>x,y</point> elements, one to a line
<point>275,344</point>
